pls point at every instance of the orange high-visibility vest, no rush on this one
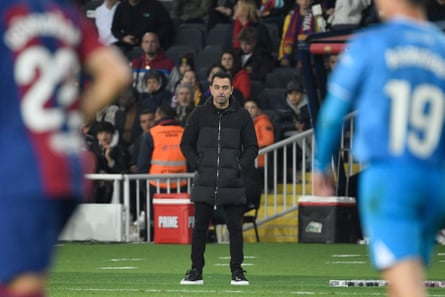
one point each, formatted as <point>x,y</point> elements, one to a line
<point>264,133</point>
<point>167,156</point>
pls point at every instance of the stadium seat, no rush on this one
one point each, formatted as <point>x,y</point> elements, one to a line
<point>274,33</point>
<point>192,37</point>
<point>207,56</point>
<point>256,87</point>
<point>197,26</point>
<point>216,35</point>
<point>280,76</point>
<point>272,98</point>
<point>175,52</point>
<point>201,73</point>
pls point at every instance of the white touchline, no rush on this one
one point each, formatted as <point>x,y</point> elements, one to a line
<point>346,262</point>
<point>117,267</point>
<point>125,259</point>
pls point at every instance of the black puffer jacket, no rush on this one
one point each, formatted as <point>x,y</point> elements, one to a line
<point>219,144</point>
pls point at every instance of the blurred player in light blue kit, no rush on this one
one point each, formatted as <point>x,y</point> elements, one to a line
<point>394,76</point>
<point>44,46</point>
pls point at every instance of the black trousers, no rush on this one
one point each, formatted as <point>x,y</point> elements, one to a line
<point>233,218</point>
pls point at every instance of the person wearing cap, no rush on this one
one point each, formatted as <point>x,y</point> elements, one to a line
<point>294,111</point>
<point>294,116</point>
<point>184,64</point>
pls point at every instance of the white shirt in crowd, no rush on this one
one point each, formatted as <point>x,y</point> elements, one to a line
<point>104,19</point>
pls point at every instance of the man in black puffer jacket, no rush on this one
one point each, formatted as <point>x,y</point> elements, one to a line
<point>219,142</point>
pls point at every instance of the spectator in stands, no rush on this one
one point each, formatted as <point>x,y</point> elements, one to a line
<point>111,157</point>
<point>133,18</point>
<point>330,61</point>
<point>254,59</point>
<point>272,11</point>
<point>294,112</point>
<point>146,121</point>
<point>294,118</point>
<point>184,102</point>
<point>152,58</point>
<point>241,79</point>
<point>436,10</point>
<point>126,118</point>
<point>104,18</point>
<point>155,95</point>
<point>191,11</point>
<point>220,12</point>
<point>298,24</point>
<point>348,14</point>
<point>190,77</point>
<point>185,63</point>
<point>264,128</point>
<point>246,15</point>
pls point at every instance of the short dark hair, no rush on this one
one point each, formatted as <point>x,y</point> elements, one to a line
<point>257,103</point>
<point>153,74</point>
<point>146,111</point>
<point>248,35</point>
<point>221,74</point>
<point>105,127</point>
<point>165,111</point>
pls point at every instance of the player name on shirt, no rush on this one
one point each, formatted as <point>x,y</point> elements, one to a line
<point>51,24</point>
<point>404,56</point>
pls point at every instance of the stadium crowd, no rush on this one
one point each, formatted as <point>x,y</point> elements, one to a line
<point>174,47</point>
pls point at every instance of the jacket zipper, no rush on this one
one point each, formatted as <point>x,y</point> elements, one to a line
<point>218,156</point>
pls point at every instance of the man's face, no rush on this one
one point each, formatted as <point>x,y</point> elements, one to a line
<point>126,99</point>
<point>247,48</point>
<point>150,44</point>
<point>221,89</point>
<point>104,138</point>
<point>294,97</point>
<point>146,120</point>
<point>152,85</point>
<point>185,97</point>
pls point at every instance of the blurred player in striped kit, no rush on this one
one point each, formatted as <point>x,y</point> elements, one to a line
<point>44,47</point>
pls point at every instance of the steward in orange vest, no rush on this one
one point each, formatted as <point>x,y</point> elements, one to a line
<point>160,152</point>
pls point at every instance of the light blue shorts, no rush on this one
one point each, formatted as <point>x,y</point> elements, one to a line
<point>402,207</point>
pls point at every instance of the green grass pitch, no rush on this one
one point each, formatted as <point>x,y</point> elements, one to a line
<point>273,269</point>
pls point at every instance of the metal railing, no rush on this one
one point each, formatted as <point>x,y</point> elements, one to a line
<point>287,176</point>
